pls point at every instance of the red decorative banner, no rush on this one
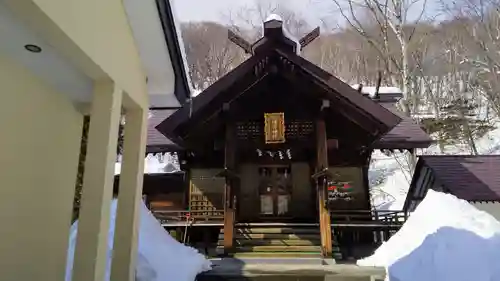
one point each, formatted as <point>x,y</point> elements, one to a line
<point>341,188</point>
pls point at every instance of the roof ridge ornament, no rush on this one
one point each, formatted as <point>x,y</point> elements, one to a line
<point>274,31</point>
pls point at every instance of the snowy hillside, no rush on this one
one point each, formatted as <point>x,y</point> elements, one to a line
<point>390,178</point>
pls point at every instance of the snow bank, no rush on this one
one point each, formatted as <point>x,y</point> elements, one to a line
<point>444,239</point>
<point>160,257</point>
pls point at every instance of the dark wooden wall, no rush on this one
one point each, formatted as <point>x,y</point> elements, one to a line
<point>301,205</point>
<point>355,176</point>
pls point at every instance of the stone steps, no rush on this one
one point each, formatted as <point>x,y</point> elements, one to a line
<point>285,248</point>
<point>285,236</point>
<point>277,255</point>
<point>276,230</point>
<point>275,241</point>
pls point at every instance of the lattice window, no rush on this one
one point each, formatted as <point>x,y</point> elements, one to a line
<point>299,129</point>
<point>204,205</point>
<point>294,130</point>
<point>248,130</point>
<point>206,196</point>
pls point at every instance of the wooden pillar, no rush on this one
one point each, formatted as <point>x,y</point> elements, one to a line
<point>229,211</point>
<point>322,164</point>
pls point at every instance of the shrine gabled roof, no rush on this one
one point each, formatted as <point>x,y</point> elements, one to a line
<point>276,55</point>
<point>344,91</point>
<point>189,111</point>
<point>211,101</point>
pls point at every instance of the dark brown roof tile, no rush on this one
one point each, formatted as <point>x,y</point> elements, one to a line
<point>155,138</point>
<point>407,134</point>
<point>469,177</point>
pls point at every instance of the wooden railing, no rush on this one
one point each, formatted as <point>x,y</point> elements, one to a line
<point>358,232</point>
<point>372,216</point>
<point>166,216</point>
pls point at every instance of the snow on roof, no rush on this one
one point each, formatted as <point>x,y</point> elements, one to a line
<point>370,90</point>
<point>273,17</point>
<point>286,32</point>
<point>195,92</point>
<point>444,239</point>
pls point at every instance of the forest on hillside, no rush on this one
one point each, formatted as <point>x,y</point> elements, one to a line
<point>447,69</point>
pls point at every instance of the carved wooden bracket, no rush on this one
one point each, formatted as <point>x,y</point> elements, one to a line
<point>309,37</point>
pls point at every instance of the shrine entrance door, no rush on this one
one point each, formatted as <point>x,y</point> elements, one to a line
<point>275,186</point>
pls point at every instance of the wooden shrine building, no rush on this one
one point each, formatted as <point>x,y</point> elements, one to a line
<point>280,141</point>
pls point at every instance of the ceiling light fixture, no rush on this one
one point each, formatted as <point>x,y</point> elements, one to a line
<point>33,48</point>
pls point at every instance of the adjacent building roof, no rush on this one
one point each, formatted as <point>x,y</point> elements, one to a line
<point>469,177</point>
<point>156,141</point>
<point>407,134</point>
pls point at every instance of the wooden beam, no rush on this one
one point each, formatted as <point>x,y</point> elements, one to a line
<point>322,164</point>
<point>309,37</point>
<point>229,196</point>
<point>239,41</point>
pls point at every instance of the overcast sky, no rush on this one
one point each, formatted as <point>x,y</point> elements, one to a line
<point>313,10</point>
<point>218,10</point>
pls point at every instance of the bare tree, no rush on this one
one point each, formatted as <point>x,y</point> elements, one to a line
<point>249,19</point>
<point>479,20</point>
<point>209,53</point>
<point>386,26</point>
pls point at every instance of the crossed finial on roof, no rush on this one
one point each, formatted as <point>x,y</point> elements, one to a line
<point>248,47</point>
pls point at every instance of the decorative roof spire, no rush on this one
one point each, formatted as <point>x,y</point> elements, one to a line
<point>276,34</point>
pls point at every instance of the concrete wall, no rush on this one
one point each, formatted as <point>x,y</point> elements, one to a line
<point>493,208</point>
<point>39,149</point>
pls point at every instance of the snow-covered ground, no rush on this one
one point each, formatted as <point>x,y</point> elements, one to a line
<point>160,257</point>
<point>156,164</point>
<point>390,178</point>
<point>445,238</point>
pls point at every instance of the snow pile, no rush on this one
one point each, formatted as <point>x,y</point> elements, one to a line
<point>444,239</point>
<point>160,257</point>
